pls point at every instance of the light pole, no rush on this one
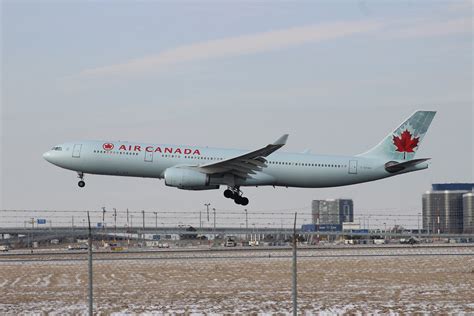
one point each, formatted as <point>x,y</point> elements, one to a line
<point>419,225</point>
<point>103,217</point>
<point>143,221</point>
<point>72,227</point>
<point>156,220</point>
<point>214,210</point>
<point>115,224</point>
<point>127,219</point>
<point>103,221</point>
<point>246,223</point>
<point>207,208</point>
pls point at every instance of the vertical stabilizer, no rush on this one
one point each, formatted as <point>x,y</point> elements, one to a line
<point>403,142</point>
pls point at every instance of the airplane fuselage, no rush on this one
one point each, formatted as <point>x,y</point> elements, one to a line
<point>282,169</point>
<point>204,168</point>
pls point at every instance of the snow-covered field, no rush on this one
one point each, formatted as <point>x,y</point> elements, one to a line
<point>246,284</point>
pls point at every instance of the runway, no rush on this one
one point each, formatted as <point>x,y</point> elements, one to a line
<point>242,253</point>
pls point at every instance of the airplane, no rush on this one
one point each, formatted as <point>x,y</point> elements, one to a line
<point>202,168</point>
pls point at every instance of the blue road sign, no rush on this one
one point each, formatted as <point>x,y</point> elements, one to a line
<point>99,225</point>
<point>41,221</point>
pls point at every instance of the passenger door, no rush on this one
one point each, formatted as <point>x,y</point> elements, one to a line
<point>76,151</point>
<point>353,166</point>
<point>148,156</point>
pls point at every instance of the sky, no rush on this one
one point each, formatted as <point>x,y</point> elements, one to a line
<point>337,76</point>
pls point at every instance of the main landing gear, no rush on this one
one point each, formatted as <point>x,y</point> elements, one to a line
<point>235,194</point>
<point>81,183</point>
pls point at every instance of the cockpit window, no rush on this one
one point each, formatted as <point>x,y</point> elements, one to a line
<point>57,148</point>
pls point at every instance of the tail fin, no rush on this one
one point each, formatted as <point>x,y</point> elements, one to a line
<point>404,141</point>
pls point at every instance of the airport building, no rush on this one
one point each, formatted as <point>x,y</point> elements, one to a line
<point>332,212</point>
<point>468,210</point>
<point>444,210</point>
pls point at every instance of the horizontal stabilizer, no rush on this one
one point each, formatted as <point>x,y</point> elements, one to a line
<point>393,166</point>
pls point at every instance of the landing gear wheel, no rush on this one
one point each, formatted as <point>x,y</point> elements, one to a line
<point>241,200</point>
<point>81,183</point>
<point>238,199</point>
<point>235,194</point>
<point>229,194</point>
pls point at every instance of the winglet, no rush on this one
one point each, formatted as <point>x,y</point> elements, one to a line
<point>281,141</point>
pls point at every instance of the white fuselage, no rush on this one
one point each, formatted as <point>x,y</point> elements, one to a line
<point>282,169</point>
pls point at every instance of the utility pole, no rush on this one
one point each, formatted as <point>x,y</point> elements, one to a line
<point>115,224</point>
<point>32,230</point>
<point>156,220</point>
<point>214,222</point>
<point>131,228</point>
<point>127,219</point>
<point>89,252</point>
<point>294,291</point>
<point>103,222</point>
<point>207,207</point>
<point>200,220</point>
<point>246,224</point>
<point>72,228</point>
<point>143,232</point>
<point>419,236</point>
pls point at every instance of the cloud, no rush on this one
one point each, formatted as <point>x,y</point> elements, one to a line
<point>423,29</point>
<point>279,39</point>
<point>234,46</point>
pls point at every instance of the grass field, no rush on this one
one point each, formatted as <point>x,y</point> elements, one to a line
<point>398,284</point>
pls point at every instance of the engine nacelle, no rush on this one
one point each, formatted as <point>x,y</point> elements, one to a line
<point>187,179</point>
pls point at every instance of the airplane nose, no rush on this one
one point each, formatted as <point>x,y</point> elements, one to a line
<point>47,156</point>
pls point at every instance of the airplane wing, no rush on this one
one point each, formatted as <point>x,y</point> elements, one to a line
<point>247,164</point>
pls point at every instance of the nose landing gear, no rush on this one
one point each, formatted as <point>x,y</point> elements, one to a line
<point>81,183</point>
<point>235,194</point>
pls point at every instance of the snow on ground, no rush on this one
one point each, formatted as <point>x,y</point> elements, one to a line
<point>211,286</point>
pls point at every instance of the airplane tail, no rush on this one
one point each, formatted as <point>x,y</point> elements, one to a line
<point>404,141</point>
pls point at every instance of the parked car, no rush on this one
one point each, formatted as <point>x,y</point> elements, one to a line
<point>4,248</point>
<point>411,241</point>
<point>230,243</point>
<point>78,247</point>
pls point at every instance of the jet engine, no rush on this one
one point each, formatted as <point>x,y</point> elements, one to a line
<point>188,179</point>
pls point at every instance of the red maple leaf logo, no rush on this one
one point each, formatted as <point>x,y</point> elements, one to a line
<point>108,146</point>
<point>405,143</point>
